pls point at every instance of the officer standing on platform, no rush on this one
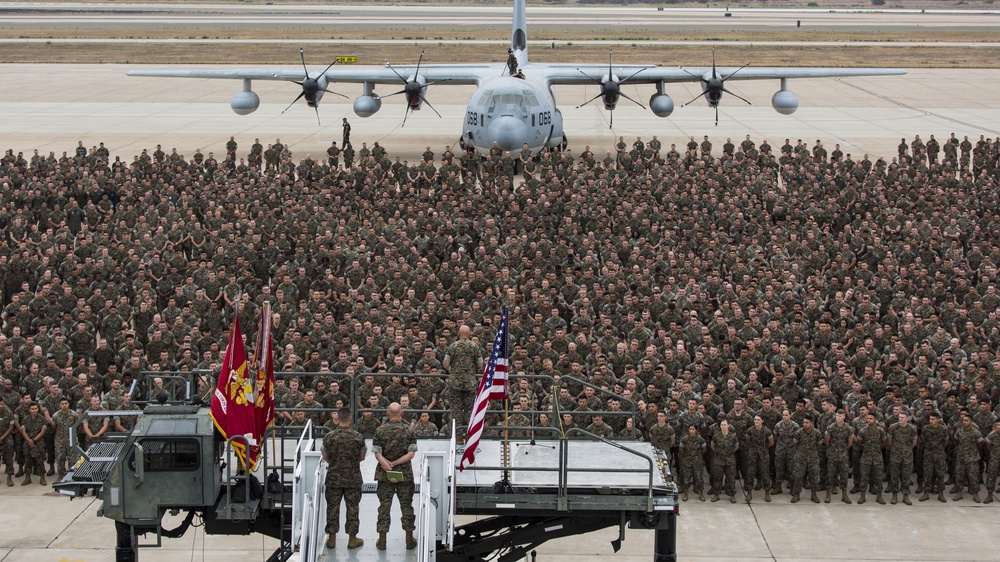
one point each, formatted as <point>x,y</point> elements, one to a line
<point>394,446</point>
<point>343,450</point>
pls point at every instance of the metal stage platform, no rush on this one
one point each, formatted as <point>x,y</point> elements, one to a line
<point>555,488</point>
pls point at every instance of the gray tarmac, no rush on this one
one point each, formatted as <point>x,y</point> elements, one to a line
<point>51,107</point>
<point>76,15</point>
<point>41,526</point>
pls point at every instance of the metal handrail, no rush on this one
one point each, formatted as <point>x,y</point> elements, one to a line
<point>75,446</point>
<point>229,473</point>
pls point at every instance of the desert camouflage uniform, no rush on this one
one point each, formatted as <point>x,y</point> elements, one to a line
<point>967,458</point>
<point>807,445</point>
<point>464,357</point>
<point>693,460</point>
<point>784,450</point>
<point>935,441</point>
<point>758,465</point>
<point>836,455</point>
<point>63,425</point>
<point>34,457</point>
<point>872,439</point>
<point>901,457</point>
<point>393,440</point>
<point>344,449</point>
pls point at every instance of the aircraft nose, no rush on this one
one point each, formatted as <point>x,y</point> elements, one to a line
<point>509,132</point>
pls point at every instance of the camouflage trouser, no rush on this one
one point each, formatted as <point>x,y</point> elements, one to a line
<point>784,464</point>
<point>856,463</point>
<point>352,497</point>
<point>7,454</point>
<point>992,473</point>
<point>824,464</point>
<point>836,470</point>
<point>758,467</point>
<point>694,474</point>
<point>34,458</point>
<point>935,469</point>
<point>808,467</point>
<point>899,475</point>
<point>724,471</point>
<point>967,474</point>
<point>50,447</point>
<point>871,472</point>
<point>402,490</point>
<point>19,448</point>
<point>461,402</point>
<point>64,455</point>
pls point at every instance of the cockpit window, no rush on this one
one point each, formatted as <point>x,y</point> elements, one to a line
<point>510,102</point>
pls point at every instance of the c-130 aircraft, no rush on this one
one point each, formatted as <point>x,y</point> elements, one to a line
<point>514,103</point>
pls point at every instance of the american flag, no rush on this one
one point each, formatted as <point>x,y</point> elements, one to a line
<point>493,386</point>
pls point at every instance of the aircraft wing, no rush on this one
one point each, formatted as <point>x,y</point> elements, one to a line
<point>459,74</point>
<point>587,74</point>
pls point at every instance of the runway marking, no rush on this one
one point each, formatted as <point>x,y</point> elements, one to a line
<point>917,109</point>
<point>756,522</point>
<point>78,515</point>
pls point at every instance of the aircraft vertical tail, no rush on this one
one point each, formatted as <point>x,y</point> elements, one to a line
<point>519,32</point>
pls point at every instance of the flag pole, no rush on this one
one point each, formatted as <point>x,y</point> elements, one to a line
<point>506,406</point>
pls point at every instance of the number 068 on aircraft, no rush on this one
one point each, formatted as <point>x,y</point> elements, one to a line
<point>514,103</point>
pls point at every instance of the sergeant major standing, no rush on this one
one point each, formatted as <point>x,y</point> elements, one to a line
<point>462,361</point>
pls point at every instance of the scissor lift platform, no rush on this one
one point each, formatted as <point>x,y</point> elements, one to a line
<point>550,489</point>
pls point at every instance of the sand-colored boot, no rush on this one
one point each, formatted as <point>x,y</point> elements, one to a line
<point>354,542</point>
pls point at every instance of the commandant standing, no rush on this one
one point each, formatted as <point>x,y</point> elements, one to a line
<point>463,360</point>
<point>394,446</point>
<point>343,451</point>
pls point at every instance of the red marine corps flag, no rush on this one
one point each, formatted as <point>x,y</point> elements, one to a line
<point>235,402</point>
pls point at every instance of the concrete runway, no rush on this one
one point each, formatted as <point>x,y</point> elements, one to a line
<point>42,526</point>
<point>51,107</point>
<point>138,16</point>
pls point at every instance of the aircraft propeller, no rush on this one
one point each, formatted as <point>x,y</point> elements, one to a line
<point>714,87</point>
<point>611,89</point>
<point>413,89</point>
<point>310,86</point>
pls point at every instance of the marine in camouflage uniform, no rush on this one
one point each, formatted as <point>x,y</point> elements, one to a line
<point>662,434</point>
<point>33,428</point>
<point>934,437</point>
<point>902,440</point>
<point>343,450</point>
<point>8,427</point>
<point>394,445</point>
<point>692,451</point>
<point>725,443</point>
<point>838,439</point>
<point>758,441</point>
<point>993,468</point>
<point>63,421</point>
<point>463,360</point>
<point>871,438</point>
<point>807,446</point>
<point>424,427</point>
<point>785,432</point>
<point>967,440</point>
